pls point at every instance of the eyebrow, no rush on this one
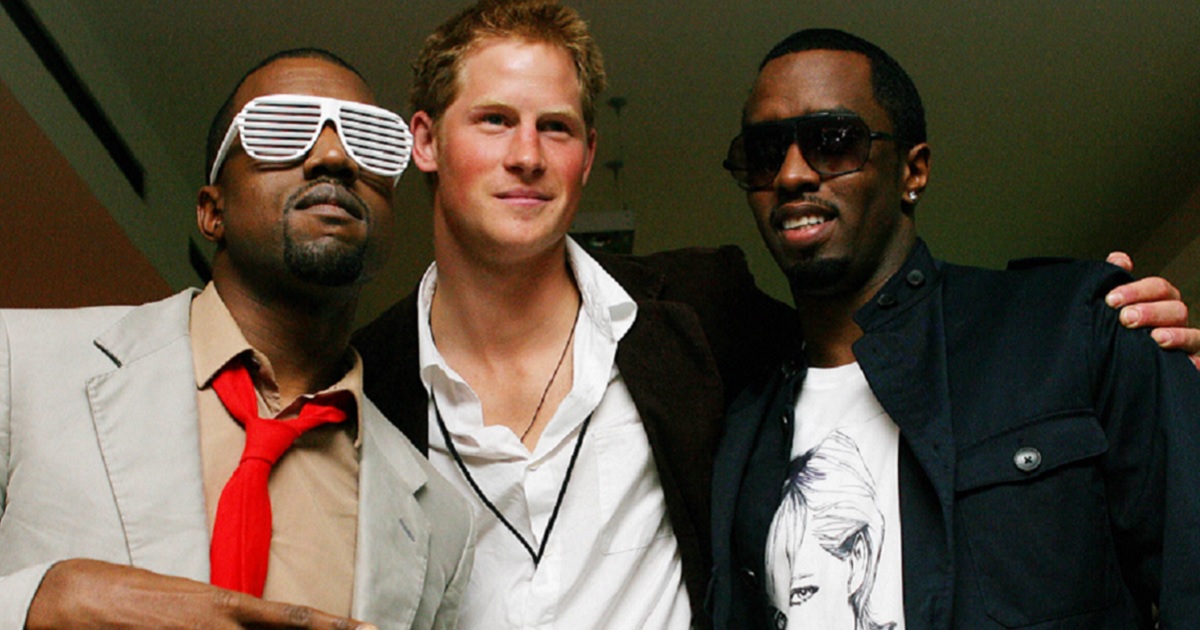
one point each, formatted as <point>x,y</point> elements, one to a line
<point>840,109</point>
<point>496,103</point>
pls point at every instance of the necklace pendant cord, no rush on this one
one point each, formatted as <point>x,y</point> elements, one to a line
<point>562,491</point>
<point>554,374</point>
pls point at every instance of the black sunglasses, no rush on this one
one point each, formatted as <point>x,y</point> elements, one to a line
<point>832,143</point>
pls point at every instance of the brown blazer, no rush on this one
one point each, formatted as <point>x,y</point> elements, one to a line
<point>702,329</point>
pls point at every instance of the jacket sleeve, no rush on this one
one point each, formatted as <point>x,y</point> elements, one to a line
<point>16,589</point>
<point>748,331</point>
<point>763,332</point>
<point>1149,403</point>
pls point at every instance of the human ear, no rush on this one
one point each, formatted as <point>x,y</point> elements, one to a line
<point>425,150</point>
<point>916,173</point>
<point>591,154</point>
<point>210,211</point>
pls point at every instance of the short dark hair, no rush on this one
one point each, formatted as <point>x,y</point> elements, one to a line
<point>894,90</point>
<point>224,118</point>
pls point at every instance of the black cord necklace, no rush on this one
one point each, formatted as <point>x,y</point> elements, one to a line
<point>562,491</point>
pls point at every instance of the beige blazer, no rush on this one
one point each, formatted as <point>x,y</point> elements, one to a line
<point>100,458</point>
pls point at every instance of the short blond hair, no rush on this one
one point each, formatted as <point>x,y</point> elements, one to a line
<point>435,80</point>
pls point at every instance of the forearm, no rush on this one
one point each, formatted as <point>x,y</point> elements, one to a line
<point>1150,404</point>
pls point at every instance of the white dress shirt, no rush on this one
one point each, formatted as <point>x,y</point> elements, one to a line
<point>612,560</point>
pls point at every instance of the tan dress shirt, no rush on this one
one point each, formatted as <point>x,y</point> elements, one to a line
<point>313,486</point>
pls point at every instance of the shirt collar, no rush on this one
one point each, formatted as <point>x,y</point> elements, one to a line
<point>605,303</point>
<point>604,300</point>
<point>217,340</point>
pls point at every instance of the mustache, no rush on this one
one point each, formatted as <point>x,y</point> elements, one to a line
<point>780,208</point>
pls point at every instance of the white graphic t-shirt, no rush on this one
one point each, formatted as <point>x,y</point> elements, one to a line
<point>833,551</point>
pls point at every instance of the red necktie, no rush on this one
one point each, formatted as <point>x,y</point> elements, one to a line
<point>241,539</point>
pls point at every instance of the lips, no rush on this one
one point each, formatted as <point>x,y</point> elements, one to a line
<point>525,195</point>
<point>803,223</point>
<point>329,194</point>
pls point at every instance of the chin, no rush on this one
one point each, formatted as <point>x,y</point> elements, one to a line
<point>817,276</point>
<point>325,265</point>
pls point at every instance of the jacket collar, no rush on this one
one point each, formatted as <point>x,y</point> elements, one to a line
<point>641,281</point>
<point>917,277</point>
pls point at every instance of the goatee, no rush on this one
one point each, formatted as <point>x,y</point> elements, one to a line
<point>817,276</point>
<point>324,263</point>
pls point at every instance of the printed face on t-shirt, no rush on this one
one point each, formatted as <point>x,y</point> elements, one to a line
<point>823,545</point>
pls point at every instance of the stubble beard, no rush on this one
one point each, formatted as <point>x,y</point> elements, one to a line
<point>324,263</point>
<point>817,277</point>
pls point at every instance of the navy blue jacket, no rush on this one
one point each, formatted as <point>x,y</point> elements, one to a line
<point>975,365</point>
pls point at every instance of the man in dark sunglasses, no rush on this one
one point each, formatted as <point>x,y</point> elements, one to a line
<point>210,460</point>
<point>1028,461</point>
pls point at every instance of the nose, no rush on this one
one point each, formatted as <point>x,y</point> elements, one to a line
<point>329,157</point>
<point>525,156</point>
<point>795,173</point>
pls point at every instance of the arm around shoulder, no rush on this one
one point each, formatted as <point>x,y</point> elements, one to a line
<point>1149,403</point>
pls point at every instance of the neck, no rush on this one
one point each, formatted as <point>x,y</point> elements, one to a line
<point>829,330</point>
<point>507,331</point>
<point>828,318</point>
<point>306,340</point>
<point>488,309</point>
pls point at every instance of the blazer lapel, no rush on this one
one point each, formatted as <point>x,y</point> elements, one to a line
<point>673,379</point>
<point>393,530</point>
<point>412,413</point>
<point>392,370</point>
<point>677,390</point>
<point>146,423</point>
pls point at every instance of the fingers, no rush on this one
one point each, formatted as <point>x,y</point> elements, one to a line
<point>1186,339</point>
<point>257,613</point>
<point>1122,260</point>
<point>1152,289</point>
<point>1155,315</point>
<point>252,612</point>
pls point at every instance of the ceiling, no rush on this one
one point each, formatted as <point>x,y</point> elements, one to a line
<point>1058,128</point>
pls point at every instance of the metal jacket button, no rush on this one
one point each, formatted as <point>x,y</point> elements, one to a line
<point>1027,459</point>
<point>915,278</point>
<point>886,300</point>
